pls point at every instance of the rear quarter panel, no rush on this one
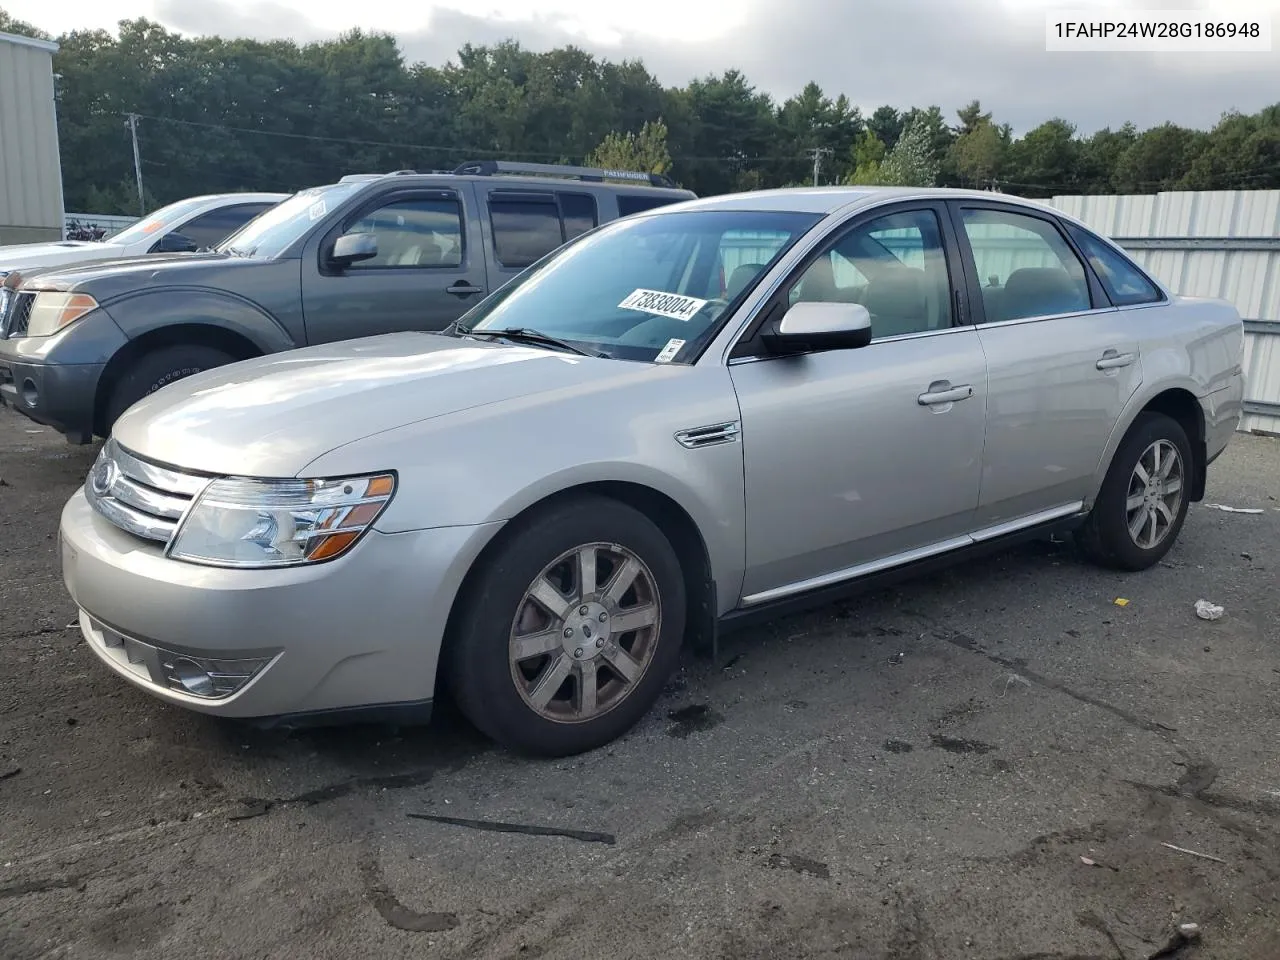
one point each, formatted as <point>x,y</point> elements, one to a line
<point>1190,344</point>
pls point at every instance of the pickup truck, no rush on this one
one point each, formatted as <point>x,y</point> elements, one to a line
<point>369,254</point>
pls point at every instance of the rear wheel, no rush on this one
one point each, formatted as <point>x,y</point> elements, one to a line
<point>159,368</point>
<point>1144,498</point>
<point>568,634</point>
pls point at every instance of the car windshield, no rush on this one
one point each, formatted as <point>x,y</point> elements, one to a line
<point>272,232</point>
<point>654,288</point>
<point>153,223</point>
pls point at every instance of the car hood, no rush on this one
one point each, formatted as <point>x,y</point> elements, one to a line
<point>273,415</point>
<point>30,256</point>
<point>108,279</point>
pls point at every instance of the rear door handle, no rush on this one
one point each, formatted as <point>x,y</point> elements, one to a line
<point>943,392</point>
<point>1112,359</point>
<point>463,289</point>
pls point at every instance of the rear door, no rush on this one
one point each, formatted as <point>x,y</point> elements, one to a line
<point>1061,361</point>
<point>522,225</point>
<point>428,271</point>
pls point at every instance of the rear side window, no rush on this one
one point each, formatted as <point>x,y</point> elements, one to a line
<point>579,212</point>
<point>1026,266</point>
<point>524,229</point>
<point>629,203</point>
<point>1125,283</point>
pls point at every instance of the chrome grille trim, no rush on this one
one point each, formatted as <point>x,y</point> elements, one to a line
<point>19,312</point>
<point>140,497</point>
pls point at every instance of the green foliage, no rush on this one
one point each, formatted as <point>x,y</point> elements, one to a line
<point>645,152</point>
<point>232,114</point>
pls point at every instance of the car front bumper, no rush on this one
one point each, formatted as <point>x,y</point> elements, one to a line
<point>360,633</point>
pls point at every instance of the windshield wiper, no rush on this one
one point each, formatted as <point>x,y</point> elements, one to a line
<point>529,335</point>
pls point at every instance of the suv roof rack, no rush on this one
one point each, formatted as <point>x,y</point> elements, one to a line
<point>354,177</point>
<point>489,168</point>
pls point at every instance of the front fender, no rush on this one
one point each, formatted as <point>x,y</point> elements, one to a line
<point>141,313</point>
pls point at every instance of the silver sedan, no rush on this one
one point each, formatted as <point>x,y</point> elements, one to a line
<point>713,410</point>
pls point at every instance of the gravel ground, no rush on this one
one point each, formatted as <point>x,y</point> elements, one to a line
<point>983,764</point>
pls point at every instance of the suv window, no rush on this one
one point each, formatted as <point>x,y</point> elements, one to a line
<point>210,229</point>
<point>578,211</point>
<point>525,229</point>
<point>413,233</point>
<point>895,266</point>
<point>1025,266</point>
<point>629,203</point>
<point>1125,283</point>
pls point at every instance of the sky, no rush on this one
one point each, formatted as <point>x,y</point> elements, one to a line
<point>900,52</point>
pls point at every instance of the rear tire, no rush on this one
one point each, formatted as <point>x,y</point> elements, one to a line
<point>560,682</point>
<point>158,369</point>
<point>1144,498</point>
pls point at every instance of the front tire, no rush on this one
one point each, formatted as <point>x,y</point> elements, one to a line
<point>567,635</point>
<point>157,369</point>
<point>1144,498</point>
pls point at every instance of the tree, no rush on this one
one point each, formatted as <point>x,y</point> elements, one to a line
<point>1045,161</point>
<point>1158,159</point>
<point>912,161</point>
<point>978,155</point>
<point>867,156</point>
<point>11,24</point>
<point>645,152</point>
<point>971,118</point>
<point>887,125</point>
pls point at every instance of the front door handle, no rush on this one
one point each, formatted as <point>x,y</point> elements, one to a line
<point>463,289</point>
<point>1113,359</point>
<point>944,392</point>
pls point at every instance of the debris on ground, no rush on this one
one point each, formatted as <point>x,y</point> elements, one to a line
<point>1192,853</point>
<point>897,658</point>
<point>1189,930</point>
<point>1121,602</point>
<point>1209,611</point>
<point>11,772</point>
<point>587,836</point>
<point>1184,936</point>
<point>1225,509</point>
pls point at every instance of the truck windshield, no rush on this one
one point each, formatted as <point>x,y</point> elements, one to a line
<point>655,288</point>
<point>271,233</point>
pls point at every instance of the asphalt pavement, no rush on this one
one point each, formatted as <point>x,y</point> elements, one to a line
<point>1022,759</point>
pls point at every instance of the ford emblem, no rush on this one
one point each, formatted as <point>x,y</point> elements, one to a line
<point>102,477</point>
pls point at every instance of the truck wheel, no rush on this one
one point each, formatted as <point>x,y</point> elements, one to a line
<point>566,637</point>
<point>1144,498</point>
<point>157,369</point>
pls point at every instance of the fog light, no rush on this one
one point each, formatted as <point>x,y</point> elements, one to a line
<point>207,678</point>
<point>30,394</point>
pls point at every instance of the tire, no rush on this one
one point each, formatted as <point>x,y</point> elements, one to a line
<point>528,694</point>
<point>1105,537</point>
<point>157,369</point>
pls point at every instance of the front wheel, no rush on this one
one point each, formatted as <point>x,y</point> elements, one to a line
<point>1144,498</point>
<point>566,637</point>
<point>157,369</point>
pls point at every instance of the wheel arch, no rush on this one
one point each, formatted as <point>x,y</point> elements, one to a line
<point>1180,403</point>
<point>675,522</point>
<point>230,342</point>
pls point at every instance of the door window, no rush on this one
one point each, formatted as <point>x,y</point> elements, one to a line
<point>579,213</point>
<point>1025,266</point>
<point>524,229</point>
<point>895,266</point>
<point>413,233</point>
<point>210,229</point>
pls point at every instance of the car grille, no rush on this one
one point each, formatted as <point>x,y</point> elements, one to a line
<point>13,321</point>
<point>140,497</point>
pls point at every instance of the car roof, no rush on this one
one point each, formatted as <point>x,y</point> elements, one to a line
<point>238,197</point>
<point>829,200</point>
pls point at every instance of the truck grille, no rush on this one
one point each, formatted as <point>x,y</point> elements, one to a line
<point>139,497</point>
<point>13,321</point>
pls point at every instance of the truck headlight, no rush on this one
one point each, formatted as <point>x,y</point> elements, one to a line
<point>280,523</point>
<point>51,311</point>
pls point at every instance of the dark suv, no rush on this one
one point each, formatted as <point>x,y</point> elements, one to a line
<point>370,254</point>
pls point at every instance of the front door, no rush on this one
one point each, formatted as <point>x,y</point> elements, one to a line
<point>429,269</point>
<point>864,458</point>
<point>1061,363</point>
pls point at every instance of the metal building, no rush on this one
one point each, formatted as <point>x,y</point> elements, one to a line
<point>30,169</point>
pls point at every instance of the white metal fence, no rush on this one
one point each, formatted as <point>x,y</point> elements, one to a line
<point>1209,244</point>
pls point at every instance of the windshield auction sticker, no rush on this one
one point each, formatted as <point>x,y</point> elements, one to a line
<point>669,351</point>
<point>663,304</point>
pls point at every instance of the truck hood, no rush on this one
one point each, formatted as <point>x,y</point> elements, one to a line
<point>273,415</point>
<point>32,256</point>
<point>105,280</point>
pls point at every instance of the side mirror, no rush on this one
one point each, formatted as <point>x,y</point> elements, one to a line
<point>175,243</point>
<point>352,248</point>
<point>820,326</point>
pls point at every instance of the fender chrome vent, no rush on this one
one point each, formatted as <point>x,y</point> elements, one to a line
<point>708,436</point>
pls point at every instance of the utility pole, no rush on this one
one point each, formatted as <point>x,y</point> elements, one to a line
<point>137,162</point>
<point>818,153</point>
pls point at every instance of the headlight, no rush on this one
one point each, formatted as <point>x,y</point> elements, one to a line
<point>280,523</point>
<point>52,311</point>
